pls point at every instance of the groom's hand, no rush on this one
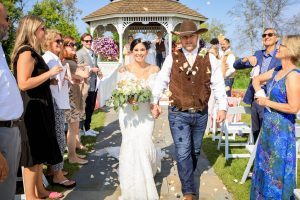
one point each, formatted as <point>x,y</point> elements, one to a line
<point>221,116</point>
<point>155,110</point>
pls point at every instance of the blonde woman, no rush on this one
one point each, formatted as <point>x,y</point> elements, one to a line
<point>275,162</point>
<point>54,45</point>
<point>77,99</point>
<point>39,144</point>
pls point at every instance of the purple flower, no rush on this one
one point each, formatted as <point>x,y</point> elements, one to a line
<point>106,48</point>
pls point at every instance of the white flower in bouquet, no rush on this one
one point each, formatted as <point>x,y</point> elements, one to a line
<point>130,91</point>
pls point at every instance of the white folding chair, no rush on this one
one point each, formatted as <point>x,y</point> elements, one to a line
<point>253,153</point>
<point>235,128</point>
<point>214,129</point>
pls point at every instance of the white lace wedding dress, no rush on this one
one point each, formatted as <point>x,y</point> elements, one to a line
<point>138,160</point>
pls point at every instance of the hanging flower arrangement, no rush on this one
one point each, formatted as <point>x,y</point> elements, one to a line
<point>106,48</point>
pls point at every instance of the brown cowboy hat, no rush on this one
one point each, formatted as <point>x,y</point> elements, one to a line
<point>188,27</point>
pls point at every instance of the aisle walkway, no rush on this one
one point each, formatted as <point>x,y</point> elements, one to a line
<point>98,180</point>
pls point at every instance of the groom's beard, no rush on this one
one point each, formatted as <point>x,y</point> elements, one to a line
<point>3,34</point>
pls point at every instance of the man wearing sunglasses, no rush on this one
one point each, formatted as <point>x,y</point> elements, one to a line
<point>87,56</point>
<point>261,61</point>
<point>11,109</point>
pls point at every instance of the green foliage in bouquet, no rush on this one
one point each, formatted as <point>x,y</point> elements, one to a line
<point>130,92</point>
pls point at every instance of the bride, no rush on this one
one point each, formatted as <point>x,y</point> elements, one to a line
<point>139,160</point>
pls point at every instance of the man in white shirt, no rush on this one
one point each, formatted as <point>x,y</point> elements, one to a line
<point>11,105</point>
<point>190,75</point>
<point>228,70</point>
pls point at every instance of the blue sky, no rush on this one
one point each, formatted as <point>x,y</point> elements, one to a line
<point>212,9</point>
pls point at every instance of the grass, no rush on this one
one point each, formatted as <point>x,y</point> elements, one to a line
<point>96,124</point>
<point>231,171</point>
<point>241,79</point>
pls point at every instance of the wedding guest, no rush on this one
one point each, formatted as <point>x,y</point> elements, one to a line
<point>227,68</point>
<point>54,45</point>
<point>261,61</point>
<point>77,98</point>
<point>275,161</point>
<point>87,56</point>
<point>214,47</point>
<point>191,78</point>
<point>39,143</point>
<point>160,49</point>
<point>11,110</point>
<point>126,51</point>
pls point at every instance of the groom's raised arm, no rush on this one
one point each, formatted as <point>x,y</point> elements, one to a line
<point>162,79</point>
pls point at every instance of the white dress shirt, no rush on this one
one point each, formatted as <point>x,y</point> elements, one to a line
<point>11,103</point>
<point>230,60</point>
<point>60,92</point>
<point>217,81</point>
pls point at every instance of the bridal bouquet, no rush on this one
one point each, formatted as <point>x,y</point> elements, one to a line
<point>130,91</point>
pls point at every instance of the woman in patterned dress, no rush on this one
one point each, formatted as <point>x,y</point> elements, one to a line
<point>77,98</point>
<point>275,163</point>
<point>53,45</point>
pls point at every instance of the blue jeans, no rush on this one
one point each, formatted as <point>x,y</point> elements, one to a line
<point>187,130</point>
<point>229,83</point>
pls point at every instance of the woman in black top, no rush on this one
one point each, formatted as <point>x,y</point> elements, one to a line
<point>39,144</point>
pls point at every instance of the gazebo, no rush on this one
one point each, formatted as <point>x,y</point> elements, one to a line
<point>144,16</point>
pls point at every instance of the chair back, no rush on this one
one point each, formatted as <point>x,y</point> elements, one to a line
<point>238,110</point>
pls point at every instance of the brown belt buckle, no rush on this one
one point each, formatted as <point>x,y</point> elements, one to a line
<point>192,110</point>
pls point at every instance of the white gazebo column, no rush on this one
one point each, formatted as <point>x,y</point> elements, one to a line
<point>170,42</point>
<point>92,29</point>
<point>120,46</point>
<point>170,28</point>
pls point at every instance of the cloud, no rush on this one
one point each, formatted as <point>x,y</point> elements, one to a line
<point>208,3</point>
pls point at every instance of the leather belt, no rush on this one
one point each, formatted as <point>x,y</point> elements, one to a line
<point>10,123</point>
<point>192,110</point>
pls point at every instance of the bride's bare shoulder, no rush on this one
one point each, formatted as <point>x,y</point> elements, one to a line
<point>154,69</point>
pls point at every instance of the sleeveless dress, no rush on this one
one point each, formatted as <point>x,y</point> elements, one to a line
<point>275,161</point>
<point>38,139</point>
<point>139,160</point>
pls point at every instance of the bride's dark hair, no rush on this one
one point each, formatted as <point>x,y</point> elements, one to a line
<point>138,41</point>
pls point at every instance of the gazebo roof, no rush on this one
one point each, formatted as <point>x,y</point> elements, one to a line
<point>155,7</point>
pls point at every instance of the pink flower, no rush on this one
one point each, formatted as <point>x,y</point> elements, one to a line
<point>106,48</point>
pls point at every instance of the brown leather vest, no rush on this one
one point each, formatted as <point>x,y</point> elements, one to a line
<point>160,47</point>
<point>190,91</point>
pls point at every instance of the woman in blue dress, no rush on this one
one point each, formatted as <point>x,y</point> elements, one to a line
<point>275,163</point>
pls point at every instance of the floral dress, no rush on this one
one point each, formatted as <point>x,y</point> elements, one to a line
<point>275,164</point>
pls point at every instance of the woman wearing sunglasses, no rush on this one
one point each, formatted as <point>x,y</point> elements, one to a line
<point>78,92</point>
<point>59,88</point>
<point>275,163</point>
<point>38,138</point>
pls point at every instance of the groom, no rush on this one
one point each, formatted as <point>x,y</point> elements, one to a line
<point>191,75</point>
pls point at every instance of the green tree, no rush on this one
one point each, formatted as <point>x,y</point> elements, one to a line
<point>214,29</point>
<point>55,16</point>
<point>15,12</point>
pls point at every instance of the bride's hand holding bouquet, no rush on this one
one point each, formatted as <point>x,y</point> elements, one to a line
<point>130,92</point>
